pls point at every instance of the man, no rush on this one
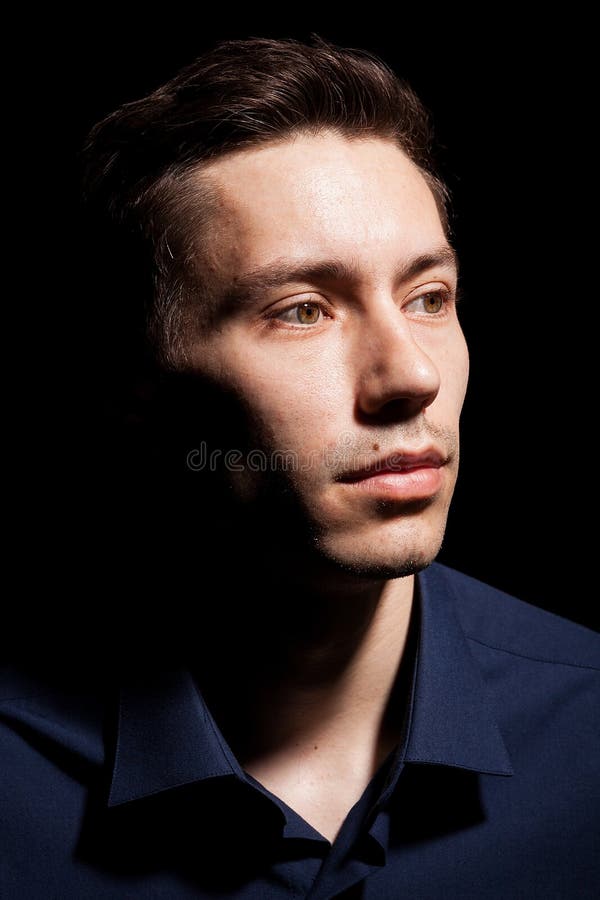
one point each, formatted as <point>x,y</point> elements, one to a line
<point>349,718</point>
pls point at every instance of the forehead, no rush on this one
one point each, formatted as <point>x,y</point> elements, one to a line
<point>322,194</point>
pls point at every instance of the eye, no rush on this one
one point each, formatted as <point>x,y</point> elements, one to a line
<point>431,302</point>
<point>302,314</point>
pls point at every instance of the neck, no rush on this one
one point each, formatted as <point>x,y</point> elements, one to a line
<point>306,661</point>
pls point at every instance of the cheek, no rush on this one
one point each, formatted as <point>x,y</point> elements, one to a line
<point>289,400</point>
<point>462,371</point>
<point>452,361</point>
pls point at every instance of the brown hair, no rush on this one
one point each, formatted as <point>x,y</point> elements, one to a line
<point>138,162</point>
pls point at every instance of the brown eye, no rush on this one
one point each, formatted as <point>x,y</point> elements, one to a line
<point>432,303</point>
<point>308,313</point>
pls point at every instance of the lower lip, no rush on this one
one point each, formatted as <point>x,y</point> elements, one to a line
<point>410,484</point>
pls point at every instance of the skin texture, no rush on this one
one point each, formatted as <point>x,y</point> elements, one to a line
<point>305,682</point>
<point>374,373</point>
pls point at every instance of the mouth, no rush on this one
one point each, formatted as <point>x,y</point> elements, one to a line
<point>403,474</point>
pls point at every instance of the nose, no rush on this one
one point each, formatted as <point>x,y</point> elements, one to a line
<point>396,377</point>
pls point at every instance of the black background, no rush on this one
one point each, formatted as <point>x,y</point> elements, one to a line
<point>514,111</point>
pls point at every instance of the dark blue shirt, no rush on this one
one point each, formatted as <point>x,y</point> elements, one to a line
<point>492,792</point>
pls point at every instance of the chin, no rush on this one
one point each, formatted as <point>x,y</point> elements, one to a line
<point>370,570</point>
<point>401,551</point>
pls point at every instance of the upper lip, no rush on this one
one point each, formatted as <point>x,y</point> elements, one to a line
<point>397,461</point>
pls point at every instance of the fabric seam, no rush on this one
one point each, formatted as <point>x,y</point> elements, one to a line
<point>558,662</point>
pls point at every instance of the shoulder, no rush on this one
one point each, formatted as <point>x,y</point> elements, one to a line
<point>64,716</point>
<point>503,622</point>
<point>541,679</point>
<point>52,765</point>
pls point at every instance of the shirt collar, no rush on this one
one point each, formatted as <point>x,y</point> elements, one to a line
<point>167,737</point>
<point>452,723</point>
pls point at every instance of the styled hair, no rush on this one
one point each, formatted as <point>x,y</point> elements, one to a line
<point>141,166</point>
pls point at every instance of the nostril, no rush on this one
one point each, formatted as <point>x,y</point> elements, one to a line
<point>391,411</point>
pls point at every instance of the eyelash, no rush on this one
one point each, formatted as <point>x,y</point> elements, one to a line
<point>446,294</point>
<point>447,297</point>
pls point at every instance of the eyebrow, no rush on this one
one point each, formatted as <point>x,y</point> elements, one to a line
<point>251,286</point>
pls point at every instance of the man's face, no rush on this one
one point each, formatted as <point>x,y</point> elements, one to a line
<point>355,366</point>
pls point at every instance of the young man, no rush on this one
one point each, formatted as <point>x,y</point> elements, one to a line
<point>352,719</point>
